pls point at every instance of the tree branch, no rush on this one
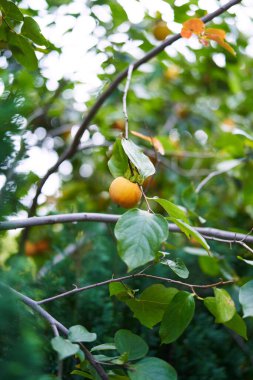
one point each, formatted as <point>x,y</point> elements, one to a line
<point>71,150</point>
<point>56,325</point>
<point>207,232</point>
<point>132,276</point>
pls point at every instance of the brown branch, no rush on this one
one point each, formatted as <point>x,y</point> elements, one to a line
<point>207,232</point>
<point>132,276</point>
<point>56,325</point>
<point>71,150</point>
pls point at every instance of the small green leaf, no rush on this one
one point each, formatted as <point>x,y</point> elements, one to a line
<point>225,307</point>
<point>32,30</point>
<point>139,159</point>
<point>177,317</point>
<point>246,299</point>
<point>139,235</point>
<point>64,347</point>
<point>11,10</point>
<point>190,231</point>
<point>149,308</point>
<point>79,333</point>
<point>177,266</point>
<point>151,369</point>
<point>173,210</point>
<point>221,306</point>
<point>118,163</point>
<point>127,342</point>
<point>104,346</point>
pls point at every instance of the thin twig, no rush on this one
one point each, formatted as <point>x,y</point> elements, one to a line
<point>71,150</point>
<point>129,75</point>
<point>207,232</point>
<point>132,276</point>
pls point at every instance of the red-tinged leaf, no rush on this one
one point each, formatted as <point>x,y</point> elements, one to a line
<point>194,25</point>
<point>152,140</point>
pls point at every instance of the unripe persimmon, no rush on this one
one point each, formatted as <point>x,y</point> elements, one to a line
<point>124,192</point>
<point>161,30</point>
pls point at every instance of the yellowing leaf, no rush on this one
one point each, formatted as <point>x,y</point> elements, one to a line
<point>152,140</point>
<point>194,25</point>
<point>218,35</point>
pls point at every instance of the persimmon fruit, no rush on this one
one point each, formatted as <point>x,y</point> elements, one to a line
<point>124,192</point>
<point>161,30</point>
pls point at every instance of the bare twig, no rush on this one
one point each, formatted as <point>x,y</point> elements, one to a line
<point>71,150</point>
<point>132,276</point>
<point>129,75</point>
<point>59,326</point>
<point>207,232</point>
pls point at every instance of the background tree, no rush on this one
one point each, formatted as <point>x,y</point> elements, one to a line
<point>173,116</point>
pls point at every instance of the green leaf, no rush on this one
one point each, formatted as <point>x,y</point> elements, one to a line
<point>64,347</point>
<point>118,163</point>
<point>116,288</point>
<point>11,10</point>
<point>130,343</point>
<point>246,299</point>
<point>238,325</point>
<point>152,368</point>
<point>209,265</point>
<point>173,210</point>
<point>190,231</point>
<point>221,306</point>
<point>225,307</point>
<point>22,51</point>
<point>32,30</point>
<point>177,317</point>
<point>104,346</point>
<point>149,308</point>
<point>139,159</point>
<point>139,235</point>
<point>79,333</point>
<point>177,266</point>
<point>78,372</point>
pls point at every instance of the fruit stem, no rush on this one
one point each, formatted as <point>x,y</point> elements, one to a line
<point>146,200</point>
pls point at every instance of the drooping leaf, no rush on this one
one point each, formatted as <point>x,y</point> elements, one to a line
<point>218,35</point>
<point>22,51</point>
<point>209,265</point>
<point>177,266</point>
<point>31,29</point>
<point>149,308</point>
<point>152,368</point>
<point>132,344</point>
<point>139,159</point>
<point>173,210</point>
<point>79,333</point>
<point>177,317</point>
<point>246,299</point>
<point>64,347</point>
<point>139,235</point>
<point>191,232</point>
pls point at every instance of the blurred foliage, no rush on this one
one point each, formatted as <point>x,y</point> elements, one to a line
<point>197,102</point>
